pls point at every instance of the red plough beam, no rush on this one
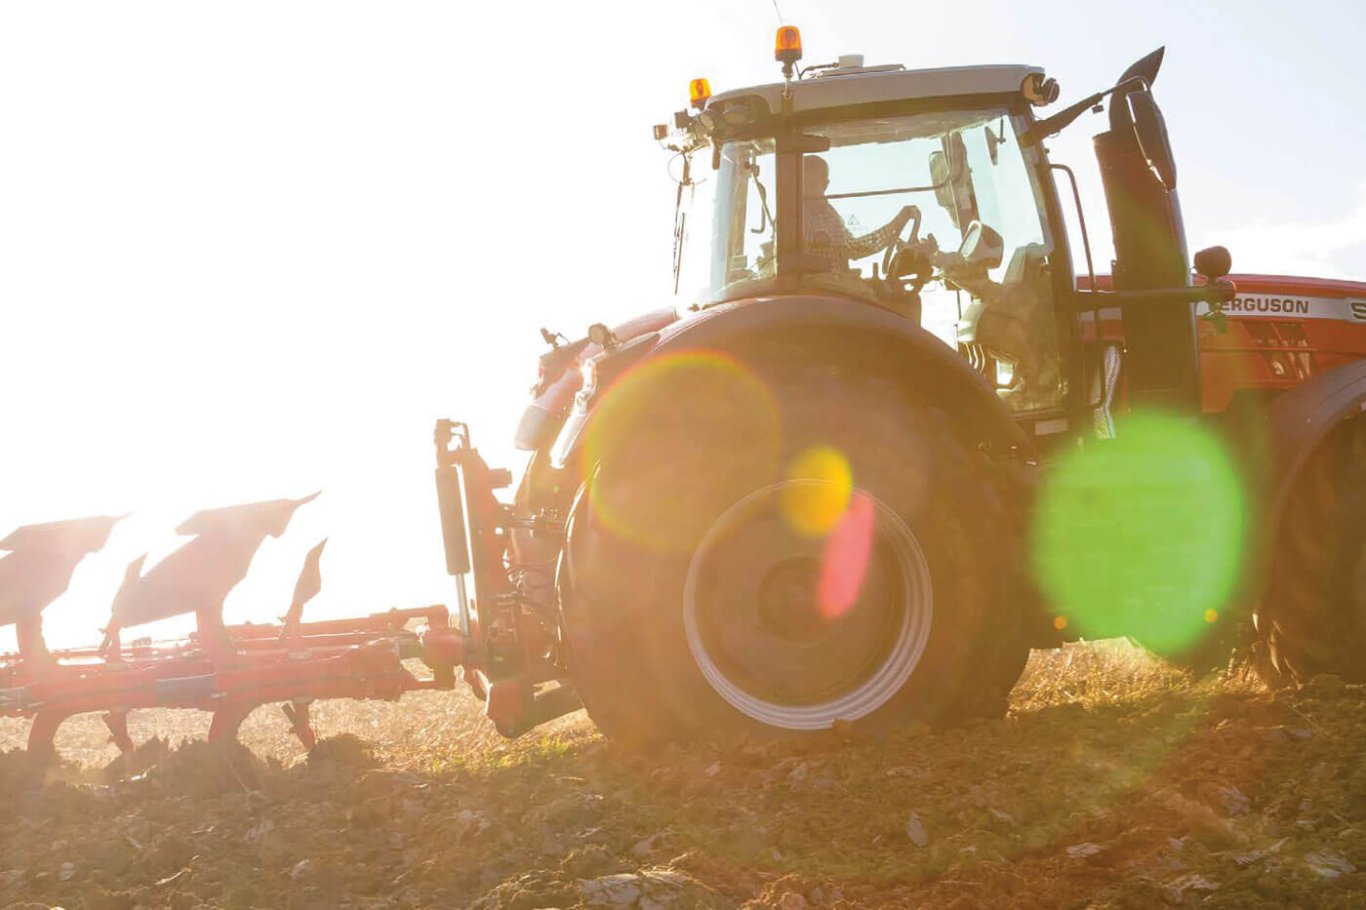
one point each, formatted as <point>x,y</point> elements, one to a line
<point>226,670</point>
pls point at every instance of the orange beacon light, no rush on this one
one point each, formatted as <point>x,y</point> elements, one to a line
<point>699,90</point>
<point>787,48</point>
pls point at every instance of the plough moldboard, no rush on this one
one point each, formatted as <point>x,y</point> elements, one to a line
<point>228,670</point>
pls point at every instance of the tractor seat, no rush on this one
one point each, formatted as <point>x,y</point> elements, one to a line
<point>1014,321</point>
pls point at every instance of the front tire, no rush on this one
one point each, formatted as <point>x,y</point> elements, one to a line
<point>769,550</point>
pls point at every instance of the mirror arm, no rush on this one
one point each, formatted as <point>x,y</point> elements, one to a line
<point>1051,126</point>
<point>1218,293</point>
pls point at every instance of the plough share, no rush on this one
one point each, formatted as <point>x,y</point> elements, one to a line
<point>228,670</point>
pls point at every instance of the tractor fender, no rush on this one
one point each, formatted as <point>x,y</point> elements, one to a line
<point>918,359</point>
<point>1296,423</point>
<point>554,392</point>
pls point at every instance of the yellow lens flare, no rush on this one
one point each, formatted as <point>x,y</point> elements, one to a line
<point>820,502</point>
<point>815,507</point>
<point>675,442</point>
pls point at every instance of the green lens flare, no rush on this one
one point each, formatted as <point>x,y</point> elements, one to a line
<point>1142,535</point>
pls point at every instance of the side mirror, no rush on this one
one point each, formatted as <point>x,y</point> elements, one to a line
<point>1151,131</point>
<point>1214,263</point>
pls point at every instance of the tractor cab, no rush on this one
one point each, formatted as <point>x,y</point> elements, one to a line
<point>929,193</point>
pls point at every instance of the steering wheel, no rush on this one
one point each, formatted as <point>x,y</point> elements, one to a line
<point>897,244</point>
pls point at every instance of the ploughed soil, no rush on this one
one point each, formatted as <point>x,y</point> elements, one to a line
<point>1115,781</point>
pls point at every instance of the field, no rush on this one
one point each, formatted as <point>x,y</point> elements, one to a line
<point>1115,782</point>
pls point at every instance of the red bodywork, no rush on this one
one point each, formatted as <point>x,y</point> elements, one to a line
<point>1278,332</point>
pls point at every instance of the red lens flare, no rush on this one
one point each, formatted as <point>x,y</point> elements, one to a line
<point>844,564</point>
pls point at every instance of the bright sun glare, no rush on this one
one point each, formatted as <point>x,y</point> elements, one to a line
<point>253,251</point>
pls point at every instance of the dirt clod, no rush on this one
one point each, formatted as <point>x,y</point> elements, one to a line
<point>915,830</point>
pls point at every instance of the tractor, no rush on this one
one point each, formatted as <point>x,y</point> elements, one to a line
<point>907,432</point>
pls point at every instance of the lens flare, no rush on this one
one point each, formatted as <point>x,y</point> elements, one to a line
<point>1142,535</point>
<point>844,562</point>
<point>814,509</point>
<point>676,441</point>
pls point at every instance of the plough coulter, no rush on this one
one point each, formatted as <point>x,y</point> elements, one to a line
<point>228,670</point>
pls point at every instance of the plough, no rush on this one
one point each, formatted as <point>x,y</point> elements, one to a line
<point>228,670</point>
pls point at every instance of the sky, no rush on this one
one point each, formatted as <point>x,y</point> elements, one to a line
<point>254,250</point>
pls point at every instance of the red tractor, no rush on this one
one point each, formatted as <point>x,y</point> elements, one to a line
<point>897,441</point>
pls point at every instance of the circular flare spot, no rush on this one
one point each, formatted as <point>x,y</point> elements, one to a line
<point>1142,535</point>
<point>676,441</point>
<point>814,509</point>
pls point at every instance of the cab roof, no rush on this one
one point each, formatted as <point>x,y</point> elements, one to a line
<point>863,85</point>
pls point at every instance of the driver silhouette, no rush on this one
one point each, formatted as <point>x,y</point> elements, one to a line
<point>829,245</point>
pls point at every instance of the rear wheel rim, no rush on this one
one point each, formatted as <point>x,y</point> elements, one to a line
<point>758,658</point>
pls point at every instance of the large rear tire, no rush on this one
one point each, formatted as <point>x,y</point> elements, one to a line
<point>772,549</point>
<point>1313,617</point>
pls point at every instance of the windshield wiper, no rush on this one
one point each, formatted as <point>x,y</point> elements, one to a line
<point>900,189</point>
<point>765,217</point>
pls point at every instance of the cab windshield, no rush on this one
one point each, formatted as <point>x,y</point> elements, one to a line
<point>936,215</point>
